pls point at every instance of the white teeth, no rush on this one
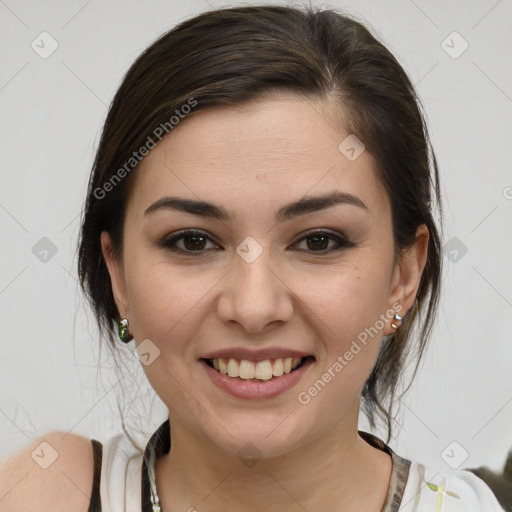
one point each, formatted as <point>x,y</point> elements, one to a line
<point>262,370</point>
<point>277,368</point>
<point>247,370</point>
<point>233,368</point>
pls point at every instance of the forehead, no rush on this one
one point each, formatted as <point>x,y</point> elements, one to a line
<point>271,149</point>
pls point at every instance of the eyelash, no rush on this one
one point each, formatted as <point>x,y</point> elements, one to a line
<point>170,243</point>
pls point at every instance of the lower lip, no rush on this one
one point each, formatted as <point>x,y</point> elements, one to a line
<point>249,389</point>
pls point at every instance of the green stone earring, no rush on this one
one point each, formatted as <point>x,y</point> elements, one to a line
<point>123,331</point>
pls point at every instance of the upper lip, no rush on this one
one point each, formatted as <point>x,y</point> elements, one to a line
<point>255,355</point>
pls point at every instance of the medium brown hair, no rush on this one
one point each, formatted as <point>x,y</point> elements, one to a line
<point>233,55</point>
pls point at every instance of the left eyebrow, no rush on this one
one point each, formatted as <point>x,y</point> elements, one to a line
<point>313,204</point>
<point>287,212</point>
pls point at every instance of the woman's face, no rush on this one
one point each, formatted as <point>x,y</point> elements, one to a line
<point>262,278</point>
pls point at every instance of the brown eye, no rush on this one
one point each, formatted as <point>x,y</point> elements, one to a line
<point>318,241</point>
<point>193,241</point>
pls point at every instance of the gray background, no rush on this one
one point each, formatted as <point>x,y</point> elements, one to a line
<point>53,375</point>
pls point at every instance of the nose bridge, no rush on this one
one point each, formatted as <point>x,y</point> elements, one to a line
<point>255,296</point>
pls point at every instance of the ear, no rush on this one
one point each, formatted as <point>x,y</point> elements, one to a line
<point>408,272</point>
<point>116,271</point>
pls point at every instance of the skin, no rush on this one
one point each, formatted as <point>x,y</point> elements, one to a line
<point>252,160</point>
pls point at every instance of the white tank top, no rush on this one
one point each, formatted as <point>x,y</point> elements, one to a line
<point>122,480</point>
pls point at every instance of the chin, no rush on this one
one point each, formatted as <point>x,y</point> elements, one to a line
<point>259,437</point>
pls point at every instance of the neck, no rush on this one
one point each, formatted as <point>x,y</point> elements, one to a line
<point>330,473</point>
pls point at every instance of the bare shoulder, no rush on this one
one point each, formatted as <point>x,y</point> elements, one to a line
<point>53,473</point>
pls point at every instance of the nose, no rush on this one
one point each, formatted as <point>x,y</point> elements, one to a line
<point>255,295</point>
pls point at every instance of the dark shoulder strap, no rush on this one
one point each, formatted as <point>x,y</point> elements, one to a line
<point>399,473</point>
<point>95,504</point>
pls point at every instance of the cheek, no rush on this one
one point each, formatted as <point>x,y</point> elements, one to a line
<point>165,307</point>
<point>349,298</point>
<point>346,313</point>
<point>160,298</point>
<point>346,307</point>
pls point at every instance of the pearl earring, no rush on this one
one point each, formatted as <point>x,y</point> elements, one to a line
<point>397,321</point>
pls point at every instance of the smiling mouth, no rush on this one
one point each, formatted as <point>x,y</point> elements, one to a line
<point>267,370</point>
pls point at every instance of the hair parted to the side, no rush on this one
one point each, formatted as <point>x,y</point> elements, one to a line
<point>233,55</point>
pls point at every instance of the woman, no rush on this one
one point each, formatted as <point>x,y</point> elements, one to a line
<point>260,222</point>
